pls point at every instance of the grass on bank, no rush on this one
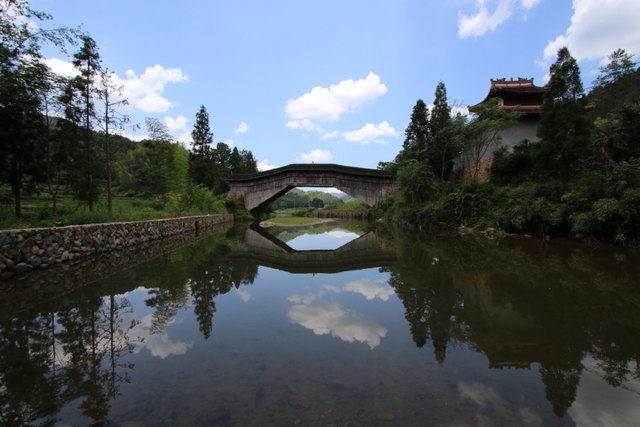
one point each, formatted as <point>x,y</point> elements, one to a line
<point>38,211</point>
<point>292,220</point>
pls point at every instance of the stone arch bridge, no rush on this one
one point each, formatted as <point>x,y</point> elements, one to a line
<point>259,189</point>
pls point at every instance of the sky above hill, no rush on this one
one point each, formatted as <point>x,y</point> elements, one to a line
<point>330,81</point>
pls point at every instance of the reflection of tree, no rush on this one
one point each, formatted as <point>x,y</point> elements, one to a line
<point>93,339</point>
<point>30,387</point>
<point>207,274</point>
<point>166,301</point>
<point>561,385</point>
<point>430,300</point>
<point>522,302</point>
<point>49,359</point>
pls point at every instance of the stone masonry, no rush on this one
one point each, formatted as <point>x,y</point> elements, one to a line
<point>31,248</point>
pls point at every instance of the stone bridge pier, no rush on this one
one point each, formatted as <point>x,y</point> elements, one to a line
<point>259,189</point>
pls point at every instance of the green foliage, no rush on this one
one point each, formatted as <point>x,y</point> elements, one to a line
<point>441,148</point>
<point>299,198</point>
<point>620,65</point>
<point>415,182</point>
<point>293,220</point>
<point>515,167</point>
<point>353,205</point>
<point>564,126</point>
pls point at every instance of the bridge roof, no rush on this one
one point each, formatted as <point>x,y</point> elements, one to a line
<point>312,168</point>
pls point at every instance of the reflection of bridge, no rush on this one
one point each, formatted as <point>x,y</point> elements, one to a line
<point>367,251</point>
<point>259,189</point>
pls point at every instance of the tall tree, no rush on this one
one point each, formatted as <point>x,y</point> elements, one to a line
<point>620,64</point>
<point>22,79</point>
<point>564,125</point>
<point>200,158</point>
<point>416,134</point>
<point>111,100</point>
<point>441,150</point>
<point>87,61</point>
<point>617,86</point>
<point>202,137</point>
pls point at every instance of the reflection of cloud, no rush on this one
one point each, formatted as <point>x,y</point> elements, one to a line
<point>332,288</point>
<point>244,295</point>
<point>478,393</point>
<point>328,318</point>
<point>305,299</point>
<point>340,234</point>
<point>159,345</point>
<point>599,404</point>
<point>485,396</point>
<point>369,289</point>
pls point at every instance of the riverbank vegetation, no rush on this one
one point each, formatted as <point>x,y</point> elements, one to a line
<point>62,147</point>
<point>581,180</point>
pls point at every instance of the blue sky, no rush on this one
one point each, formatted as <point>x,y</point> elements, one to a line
<point>330,81</point>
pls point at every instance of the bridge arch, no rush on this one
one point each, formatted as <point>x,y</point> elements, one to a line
<point>259,189</point>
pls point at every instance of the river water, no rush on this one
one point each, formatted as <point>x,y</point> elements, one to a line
<point>332,325</point>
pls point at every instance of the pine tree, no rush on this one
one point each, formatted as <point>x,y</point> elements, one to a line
<point>620,64</point>
<point>441,150</point>
<point>200,158</point>
<point>564,125</point>
<point>110,118</point>
<point>416,135</point>
<point>23,82</point>
<point>87,61</point>
<point>202,137</point>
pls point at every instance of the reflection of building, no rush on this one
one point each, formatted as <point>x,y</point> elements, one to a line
<point>521,95</point>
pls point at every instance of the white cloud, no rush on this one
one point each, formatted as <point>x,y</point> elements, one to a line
<point>455,110</point>
<point>316,156</point>
<point>143,91</point>
<point>333,191</point>
<point>322,105</point>
<point>136,137</point>
<point>530,4</point>
<point>490,15</point>
<point>598,27</point>
<point>230,143</point>
<point>329,318</point>
<point>304,124</point>
<point>332,134</point>
<point>152,103</point>
<point>243,127</point>
<point>184,138</point>
<point>61,67</point>
<point>263,165</point>
<point>179,123</point>
<point>371,133</point>
<point>484,20</point>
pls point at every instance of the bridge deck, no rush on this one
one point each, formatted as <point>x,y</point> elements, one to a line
<point>313,167</point>
<point>261,188</point>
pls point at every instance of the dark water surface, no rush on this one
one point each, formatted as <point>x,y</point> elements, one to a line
<point>334,324</point>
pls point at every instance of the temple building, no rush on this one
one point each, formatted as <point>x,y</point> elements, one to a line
<point>521,95</point>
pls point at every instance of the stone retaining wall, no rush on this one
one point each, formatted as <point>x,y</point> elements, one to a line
<point>24,250</point>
